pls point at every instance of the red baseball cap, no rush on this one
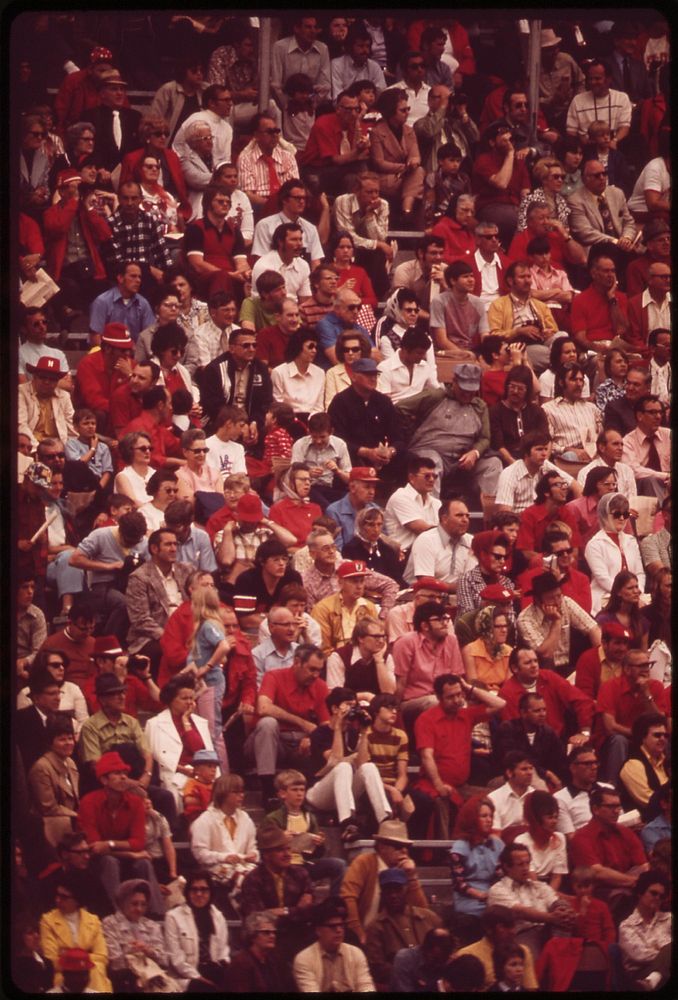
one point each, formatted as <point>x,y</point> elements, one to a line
<point>364,474</point>
<point>354,567</point>
<point>117,335</point>
<point>430,583</point>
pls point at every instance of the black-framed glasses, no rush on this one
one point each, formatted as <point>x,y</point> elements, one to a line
<point>142,447</point>
<point>557,177</point>
<point>251,344</point>
<point>352,350</point>
<point>498,555</point>
<point>564,552</point>
<point>199,451</point>
<point>624,514</point>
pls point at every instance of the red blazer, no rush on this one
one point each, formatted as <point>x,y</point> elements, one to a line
<point>128,173</point>
<point>57,222</point>
<point>94,385</point>
<point>460,244</point>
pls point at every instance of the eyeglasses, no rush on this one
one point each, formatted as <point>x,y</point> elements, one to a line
<point>151,166</point>
<point>270,131</point>
<point>352,350</point>
<point>559,485</point>
<point>563,552</point>
<point>376,635</point>
<point>250,345</point>
<point>557,177</point>
<point>428,475</point>
<point>142,447</point>
<point>498,555</point>
<point>410,309</point>
<point>624,514</point>
<point>198,451</point>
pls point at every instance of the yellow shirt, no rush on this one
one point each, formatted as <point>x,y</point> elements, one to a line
<point>482,950</point>
<point>46,425</point>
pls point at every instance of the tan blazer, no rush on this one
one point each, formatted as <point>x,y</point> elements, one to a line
<point>586,223</point>
<point>53,784</point>
<point>147,604</point>
<point>29,413</point>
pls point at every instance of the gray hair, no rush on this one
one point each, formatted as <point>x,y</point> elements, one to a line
<point>74,132</point>
<point>465,199</point>
<point>484,227</point>
<point>316,533</point>
<point>366,515</point>
<point>193,128</point>
<point>254,922</point>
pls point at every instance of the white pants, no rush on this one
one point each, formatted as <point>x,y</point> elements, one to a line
<point>342,786</point>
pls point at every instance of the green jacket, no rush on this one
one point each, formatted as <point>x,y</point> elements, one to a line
<point>279,818</point>
<point>415,409</point>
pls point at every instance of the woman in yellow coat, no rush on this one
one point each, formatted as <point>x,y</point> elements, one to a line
<point>69,925</point>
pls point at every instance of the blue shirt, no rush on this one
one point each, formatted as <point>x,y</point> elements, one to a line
<point>110,308</point>
<point>197,551</point>
<point>328,330</point>
<point>655,831</point>
<point>207,639</point>
<point>344,513</point>
<point>100,461</point>
<point>266,657</point>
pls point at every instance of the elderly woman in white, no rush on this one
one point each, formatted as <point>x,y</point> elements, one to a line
<point>224,838</point>
<point>611,549</point>
<point>174,735</point>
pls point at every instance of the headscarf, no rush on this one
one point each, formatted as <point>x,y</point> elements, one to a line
<point>607,522</point>
<point>392,317</point>
<point>485,629</point>
<point>289,491</point>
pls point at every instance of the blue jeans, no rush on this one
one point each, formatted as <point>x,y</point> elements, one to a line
<point>331,868</point>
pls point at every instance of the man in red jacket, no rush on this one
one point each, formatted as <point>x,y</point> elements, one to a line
<point>99,373</point>
<point>82,278</point>
<point>113,821</point>
<point>126,399</point>
<point>559,694</point>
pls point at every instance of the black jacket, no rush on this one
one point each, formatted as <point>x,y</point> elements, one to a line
<point>217,387</point>
<point>365,425</point>
<point>106,153</point>
<point>547,751</point>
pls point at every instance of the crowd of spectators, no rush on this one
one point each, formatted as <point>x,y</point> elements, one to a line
<point>342,543</point>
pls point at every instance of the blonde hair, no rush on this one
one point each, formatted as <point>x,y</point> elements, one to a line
<point>284,779</point>
<point>597,127</point>
<point>205,606</point>
<point>223,787</point>
<point>540,170</point>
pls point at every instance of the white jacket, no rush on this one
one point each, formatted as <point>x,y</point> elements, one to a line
<point>166,747</point>
<point>181,939</point>
<point>211,841</point>
<point>308,969</point>
<point>604,560</point>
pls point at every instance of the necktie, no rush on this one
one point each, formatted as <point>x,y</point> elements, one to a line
<point>605,215</point>
<point>345,144</point>
<point>273,179</point>
<point>117,129</point>
<point>653,459</point>
<point>626,75</point>
<point>453,559</point>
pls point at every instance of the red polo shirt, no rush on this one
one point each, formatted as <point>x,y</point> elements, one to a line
<point>617,698</point>
<point>450,739</point>
<point>558,694</point>
<point>282,688</point>
<point>612,846</point>
<point>591,313</point>
<point>297,518</point>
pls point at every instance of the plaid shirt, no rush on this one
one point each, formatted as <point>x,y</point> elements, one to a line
<point>469,586</point>
<point>140,241</point>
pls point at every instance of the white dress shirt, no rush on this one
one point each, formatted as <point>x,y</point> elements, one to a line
<point>406,505</point>
<point>304,391</point>
<point>397,382</point>
<point>434,554</point>
<point>296,274</point>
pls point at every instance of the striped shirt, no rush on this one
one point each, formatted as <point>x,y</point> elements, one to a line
<point>516,486</point>
<point>572,425</point>
<point>626,481</point>
<point>385,750</point>
<point>253,169</point>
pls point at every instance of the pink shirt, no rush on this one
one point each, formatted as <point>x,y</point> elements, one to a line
<point>636,450</point>
<point>421,661</point>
